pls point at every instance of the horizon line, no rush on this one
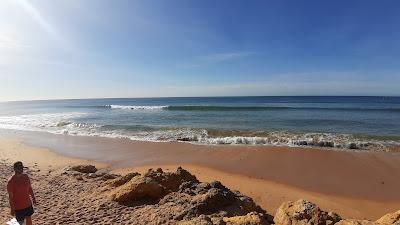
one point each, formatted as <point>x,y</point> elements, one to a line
<point>222,96</point>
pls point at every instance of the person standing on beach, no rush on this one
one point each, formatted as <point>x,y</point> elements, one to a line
<point>21,195</point>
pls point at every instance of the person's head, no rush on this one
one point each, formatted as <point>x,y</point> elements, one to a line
<point>18,167</point>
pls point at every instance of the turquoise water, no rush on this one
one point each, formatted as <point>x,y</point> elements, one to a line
<point>341,122</point>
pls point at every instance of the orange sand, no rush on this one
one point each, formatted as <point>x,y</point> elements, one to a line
<point>356,185</point>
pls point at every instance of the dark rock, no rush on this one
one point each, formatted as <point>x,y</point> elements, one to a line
<point>352,146</point>
<point>83,168</point>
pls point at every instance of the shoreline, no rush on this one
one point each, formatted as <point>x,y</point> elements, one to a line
<point>344,173</point>
<point>269,192</point>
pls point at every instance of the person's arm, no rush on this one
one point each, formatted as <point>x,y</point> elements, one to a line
<point>31,193</point>
<point>11,198</point>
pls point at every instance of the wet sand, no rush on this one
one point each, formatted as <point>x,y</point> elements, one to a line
<point>354,184</point>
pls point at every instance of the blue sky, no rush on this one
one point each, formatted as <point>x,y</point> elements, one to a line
<point>100,48</point>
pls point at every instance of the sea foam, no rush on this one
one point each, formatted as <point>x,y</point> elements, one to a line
<point>67,124</point>
<point>135,107</point>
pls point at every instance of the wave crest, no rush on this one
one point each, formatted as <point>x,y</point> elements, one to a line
<point>240,108</point>
<point>67,124</point>
<point>135,107</point>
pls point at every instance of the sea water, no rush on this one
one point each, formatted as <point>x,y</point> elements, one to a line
<point>324,121</point>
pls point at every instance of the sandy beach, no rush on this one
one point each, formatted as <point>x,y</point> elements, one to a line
<point>199,112</point>
<point>363,185</point>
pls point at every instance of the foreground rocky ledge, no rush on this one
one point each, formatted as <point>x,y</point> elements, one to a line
<point>180,198</point>
<point>84,195</point>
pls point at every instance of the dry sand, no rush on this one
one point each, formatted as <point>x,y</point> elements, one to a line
<point>356,185</point>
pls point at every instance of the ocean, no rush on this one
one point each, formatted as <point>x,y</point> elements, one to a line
<point>364,123</point>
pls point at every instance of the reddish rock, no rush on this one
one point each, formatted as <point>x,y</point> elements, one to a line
<point>303,212</point>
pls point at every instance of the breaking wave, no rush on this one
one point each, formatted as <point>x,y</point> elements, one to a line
<point>67,124</point>
<point>135,107</point>
<point>236,108</point>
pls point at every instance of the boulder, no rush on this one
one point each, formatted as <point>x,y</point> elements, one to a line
<point>303,212</point>
<point>171,181</point>
<point>252,218</point>
<point>201,220</point>
<point>83,168</point>
<point>180,197</point>
<point>215,198</point>
<point>152,185</point>
<point>137,189</point>
<point>355,222</point>
<point>390,218</point>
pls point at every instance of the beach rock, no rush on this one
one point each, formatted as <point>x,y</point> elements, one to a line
<point>303,212</point>
<point>184,139</point>
<point>110,176</point>
<point>181,197</point>
<point>355,222</point>
<point>390,218</point>
<point>252,218</point>
<point>83,168</point>
<point>201,220</point>
<point>352,145</point>
<point>171,181</point>
<point>212,198</point>
<point>326,144</point>
<point>153,185</point>
<point>138,188</point>
<point>122,180</point>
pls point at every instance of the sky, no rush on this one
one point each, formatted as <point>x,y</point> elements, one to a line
<point>139,48</point>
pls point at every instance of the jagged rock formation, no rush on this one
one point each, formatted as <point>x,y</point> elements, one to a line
<point>303,212</point>
<point>123,179</point>
<point>252,218</point>
<point>355,222</point>
<point>185,199</point>
<point>390,218</point>
<point>159,197</point>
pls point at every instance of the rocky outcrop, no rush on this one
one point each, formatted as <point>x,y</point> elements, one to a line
<point>83,168</point>
<point>152,186</point>
<point>303,212</point>
<point>181,197</point>
<point>159,197</point>
<point>201,220</point>
<point>355,222</point>
<point>123,179</point>
<point>252,218</point>
<point>137,189</point>
<point>390,218</point>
